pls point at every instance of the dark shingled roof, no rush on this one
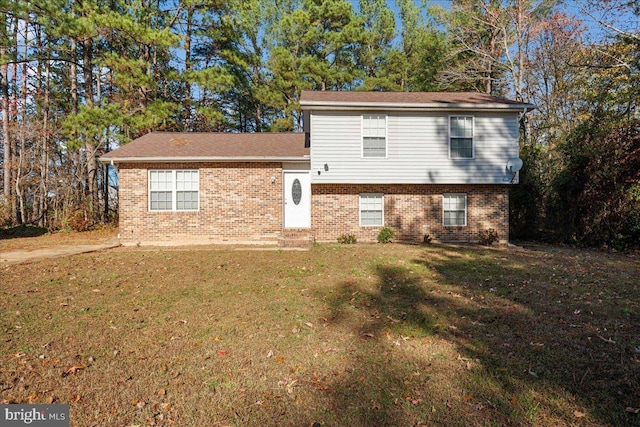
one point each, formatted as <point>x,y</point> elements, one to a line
<point>177,146</point>
<point>435,99</point>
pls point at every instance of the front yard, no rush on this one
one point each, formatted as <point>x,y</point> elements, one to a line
<point>364,335</point>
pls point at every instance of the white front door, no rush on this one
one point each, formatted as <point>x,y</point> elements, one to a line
<point>297,199</point>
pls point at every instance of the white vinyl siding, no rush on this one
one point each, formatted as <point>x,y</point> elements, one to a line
<point>174,190</point>
<point>417,149</point>
<point>374,135</point>
<point>461,137</point>
<point>371,209</point>
<point>454,209</point>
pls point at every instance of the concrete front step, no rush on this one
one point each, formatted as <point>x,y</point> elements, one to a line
<point>295,238</point>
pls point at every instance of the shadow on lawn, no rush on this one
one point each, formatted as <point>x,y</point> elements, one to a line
<point>22,231</point>
<point>542,349</point>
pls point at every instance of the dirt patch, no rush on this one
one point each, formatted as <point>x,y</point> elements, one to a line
<point>59,251</point>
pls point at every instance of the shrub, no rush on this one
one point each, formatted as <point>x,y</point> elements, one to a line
<point>78,221</point>
<point>386,235</point>
<point>347,239</point>
<point>488,237</point>
<point>5,214</point>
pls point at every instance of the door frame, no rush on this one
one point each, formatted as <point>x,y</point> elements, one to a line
<point>292,170</point>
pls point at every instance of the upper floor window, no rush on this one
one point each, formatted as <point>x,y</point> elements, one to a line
<point>461,137</point>
<point>374,135</point>
<point>174,190</point>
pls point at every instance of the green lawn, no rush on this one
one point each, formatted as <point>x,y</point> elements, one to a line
<point>354,335</point>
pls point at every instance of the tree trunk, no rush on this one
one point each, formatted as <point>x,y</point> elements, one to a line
<point>90,147</point>
<point>13,113</point>
<point>23,127</point>
<point>186,103</point>
<point>77,186</point>
<point>6,138</point>
<point>44,159</point>
<point>19,192</point>
<point>105,180</point>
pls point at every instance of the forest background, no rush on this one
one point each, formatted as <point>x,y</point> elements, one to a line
<point>81,77</point>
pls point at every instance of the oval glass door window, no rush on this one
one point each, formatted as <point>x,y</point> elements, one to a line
<point>296,191</point>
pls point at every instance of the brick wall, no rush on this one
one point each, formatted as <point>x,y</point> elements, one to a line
<point>412,210</point>
<point>238,203</point>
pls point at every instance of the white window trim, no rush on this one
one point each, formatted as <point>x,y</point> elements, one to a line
<point>386,136</point>
<point>466,211</point>
<point>174,199</point>
<point>360,209</point>
<point>473,136</point>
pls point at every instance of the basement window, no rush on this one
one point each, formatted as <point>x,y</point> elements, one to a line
<point>371,209</point>
<point>454,209</point>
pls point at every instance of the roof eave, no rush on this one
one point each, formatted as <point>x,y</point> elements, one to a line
<point>107,159</point>
<point>394,106</point>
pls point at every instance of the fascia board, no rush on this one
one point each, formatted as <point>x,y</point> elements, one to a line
<point>201,159</point>
<point>376,106</point>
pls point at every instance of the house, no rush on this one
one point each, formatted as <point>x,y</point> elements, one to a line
<point>425,164</point>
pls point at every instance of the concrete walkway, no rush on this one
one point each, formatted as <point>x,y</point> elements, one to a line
<point>26,255</point>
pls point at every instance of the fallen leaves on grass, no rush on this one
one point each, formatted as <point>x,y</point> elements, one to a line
<point>632,410</point>
<point>607,340</point>
<point>288,383</point>
<point>412,400</point>
<point>73,370</point>
<point>578,414</point>
<point>139,404</point>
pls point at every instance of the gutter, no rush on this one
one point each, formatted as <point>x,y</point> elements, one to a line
<point>343,106</point>
<point>113,160</point>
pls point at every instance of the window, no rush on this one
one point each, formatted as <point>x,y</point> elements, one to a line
<point>454,208</point>
<point>461,137</point>
<point>374,135</point>
<point>173,190</point>
<point>371,209</point>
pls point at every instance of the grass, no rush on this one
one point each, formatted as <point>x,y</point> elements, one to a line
<point>361,335</point>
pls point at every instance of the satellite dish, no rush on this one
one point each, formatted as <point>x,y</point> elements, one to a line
<point>514,165</point>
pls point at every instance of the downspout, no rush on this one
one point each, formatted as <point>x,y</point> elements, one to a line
<point>524,127</point>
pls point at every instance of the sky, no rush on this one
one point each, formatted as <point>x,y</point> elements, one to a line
<point>581,9</point>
